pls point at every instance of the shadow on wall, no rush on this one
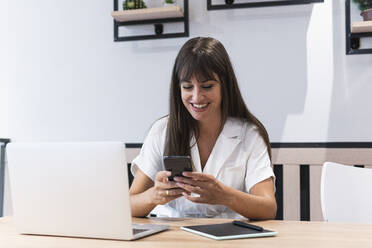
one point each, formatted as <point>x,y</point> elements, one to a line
<point>272,69</point>
<point>350,115</point>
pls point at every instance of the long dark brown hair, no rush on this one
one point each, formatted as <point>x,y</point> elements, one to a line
<point>200,58</point>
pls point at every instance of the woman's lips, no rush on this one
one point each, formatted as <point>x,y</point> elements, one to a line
<point>199,107</point>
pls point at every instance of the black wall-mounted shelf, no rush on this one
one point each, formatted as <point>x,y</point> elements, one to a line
<point>229,4</point>
<point>158,26</point>
<point>353,39</point>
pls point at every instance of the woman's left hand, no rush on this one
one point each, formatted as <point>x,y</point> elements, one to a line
<point>210,190</point>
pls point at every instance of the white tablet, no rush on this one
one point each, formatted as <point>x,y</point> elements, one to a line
<point>227,231</point>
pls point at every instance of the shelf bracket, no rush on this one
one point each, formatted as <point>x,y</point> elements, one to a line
<point>159,28</point>
<point>354,43</point>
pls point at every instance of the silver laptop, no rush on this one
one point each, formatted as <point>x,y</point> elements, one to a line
<point>73,189</point>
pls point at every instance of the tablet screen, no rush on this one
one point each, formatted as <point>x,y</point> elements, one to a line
<point>227,231</point>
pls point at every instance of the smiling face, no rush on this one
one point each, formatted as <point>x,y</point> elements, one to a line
<point>202,98</point>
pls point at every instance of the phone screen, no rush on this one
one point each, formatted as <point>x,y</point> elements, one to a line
<point>177,165</point>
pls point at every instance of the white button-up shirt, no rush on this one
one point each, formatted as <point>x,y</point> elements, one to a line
<point>239,159</point>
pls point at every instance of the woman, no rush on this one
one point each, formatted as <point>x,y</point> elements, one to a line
<point>229,147</point>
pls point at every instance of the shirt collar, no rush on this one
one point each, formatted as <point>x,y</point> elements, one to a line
<point>233,128</point>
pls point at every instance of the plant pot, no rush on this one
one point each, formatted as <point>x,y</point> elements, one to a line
<point>367,14</point>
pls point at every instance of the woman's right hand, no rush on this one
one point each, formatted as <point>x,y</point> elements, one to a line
<point>164,190</point>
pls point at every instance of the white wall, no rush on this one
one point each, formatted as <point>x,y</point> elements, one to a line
<point>63,77</point>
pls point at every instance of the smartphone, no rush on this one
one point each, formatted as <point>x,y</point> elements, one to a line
<point>177,165</point>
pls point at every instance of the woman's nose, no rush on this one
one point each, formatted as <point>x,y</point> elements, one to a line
<point>196,95</point>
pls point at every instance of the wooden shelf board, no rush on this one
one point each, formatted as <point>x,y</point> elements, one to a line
<point>147,14</point>
<point>361,27</point>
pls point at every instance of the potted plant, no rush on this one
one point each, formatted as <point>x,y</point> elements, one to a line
<point>365,7</point>
<point>169,3</point>
<point>133,4</point>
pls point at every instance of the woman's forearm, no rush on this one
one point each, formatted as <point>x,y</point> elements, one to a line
<point>249,205</point>
<point>141,204</point>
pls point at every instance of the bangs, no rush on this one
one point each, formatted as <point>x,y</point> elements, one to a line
<point>200,66</point>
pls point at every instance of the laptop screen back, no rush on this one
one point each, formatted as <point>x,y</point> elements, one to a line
<point>70,189</point>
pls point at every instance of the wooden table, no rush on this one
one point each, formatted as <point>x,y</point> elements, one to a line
<point>290,234</point>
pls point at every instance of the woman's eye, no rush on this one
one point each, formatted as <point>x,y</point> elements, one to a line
<point>186,87</point>
<point>207,86</point>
